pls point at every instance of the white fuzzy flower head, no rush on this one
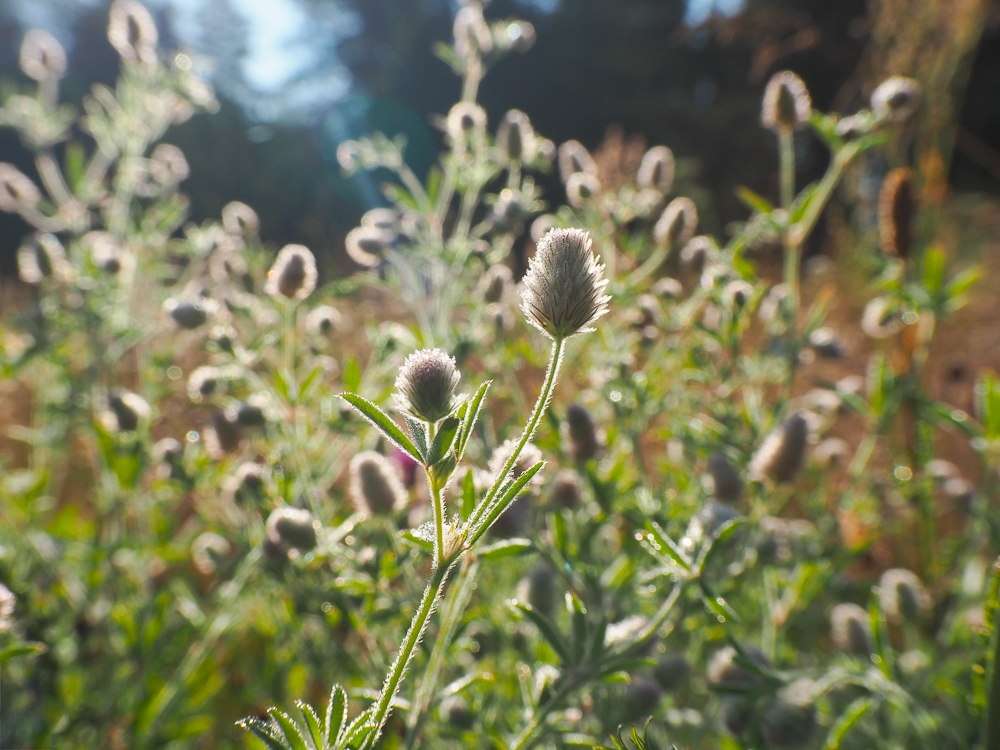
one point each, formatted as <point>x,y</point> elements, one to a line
<point>425,386</point>
<point>516,137</point>
<point>850,629</point>
<point>42,257</point>
<point>293,274</point>
<point>896,99</point>
<point>574,157</point>
<point>903,596</point>
<point>782,454</point>
<point>787,104</point>
<point>375,486</point>
<point>132,32</point>
<point>42,57</point>
<point>367,245</point>
<point>582,187</point>
<point>7,602</point>
<point>677,224</point>
<point>563,292</point>
<point>657,169</point>
<point>17,191</point>
<point>239,220</point>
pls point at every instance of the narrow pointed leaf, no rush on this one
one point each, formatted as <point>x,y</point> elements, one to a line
<point>383,423</point>
<point>263,731</point>
<point>293,735</point>
<point>846,722</point>
<point>468,495</point>
<point>419,435</point>
<point>336,716</point>
<point>312,724</point>
<point>659,542</point>
<point>470,418</point>
<point>510,493</point>
<point>548,632</point>
<point>443,440</point>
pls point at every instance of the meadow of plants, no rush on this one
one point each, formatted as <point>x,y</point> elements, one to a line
<point>619,502</point>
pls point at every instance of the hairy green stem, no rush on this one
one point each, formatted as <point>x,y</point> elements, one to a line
<point>490,502</point>
<point>435,587</point>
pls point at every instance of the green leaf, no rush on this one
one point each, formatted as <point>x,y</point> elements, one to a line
<point>753,201</point>
<point>24,649</point>
<point>381,421</point>
<point>418,432</point>
<point>263,731</point>
<point>881,634</point>
<point>505,548</point>
<point>578,622</point>
<point>293,735</point>
<point>336,716</point>
<point>659,544</point>
<point>723,534</point>
<point>851,716</point>
<point>547,630</point>
<point>308,381</point>
<point>443,440</point>
<point>471,416</point>
<point>934,269</point>
<point>468,495</point>
<point>717,604</point>
<point>801,205</point>
<point>312,723</point>
<point>352,375</point>
<point>510,493</point>
<point>281,385</point>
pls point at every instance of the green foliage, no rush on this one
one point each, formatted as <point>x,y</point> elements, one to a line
<point>180,552</point>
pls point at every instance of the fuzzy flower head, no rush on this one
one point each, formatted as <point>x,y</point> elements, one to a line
<point>7,602</point>
<point>850,629</point>
<point>425,386</point>
<point>42,57</point>
<point>787,104</point>
<point>376,489</point>
<point>563,292</point>
<point>132,32</point>
<point>293,274</point>
<point>657,169</point>
<point>896,99</point>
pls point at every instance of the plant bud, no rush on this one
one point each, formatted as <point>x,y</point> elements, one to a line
<point>425,386</point>
<point>672,671</point>
<point>789,722</point>
<point>881,319</point>
<point>376,489</point>
<point>254,411</point>
<point>239,220</point>
<point>541,589</point>
<point>832,452</point>
<point>582,433</point>
<point>497,284</point>
<point>787,104</point>
<point>206,550</point>
<point>896,99</point>
<point>736,714</point>
<point>41,257</point>
<point>726,673</point>
<point>563,291</point>
<point>17,191</point>
<point>574,157</point>
<point>168,451</point>
<point>7,603</point>
<point>656,170</point>
<point>42,57</point>
<point>187,314</point>
<point>132,32</point>
<point>323,321</point>
<point>736,294</point>
<point>903,596</point>
<point>223,435</point>
<point>127,410</point>
<point>724,483</point>
<point>668,288</point>
<point>465,120</point>
<point>293,274</point>
<point>642,696</point>
<point>897,207</point>
<point>677,224</point>
<point>582,187</point>
<point>105,250</point>
<point>826,343</point>
<point>366,245</point>
<point>472,34</point>
<point>516,137</point>
<point>567,490</point>
<point>292,529</point>
<point>203,382</point>
<point>457,712</point>
<point>782,454</point>
<point>851,630</point>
